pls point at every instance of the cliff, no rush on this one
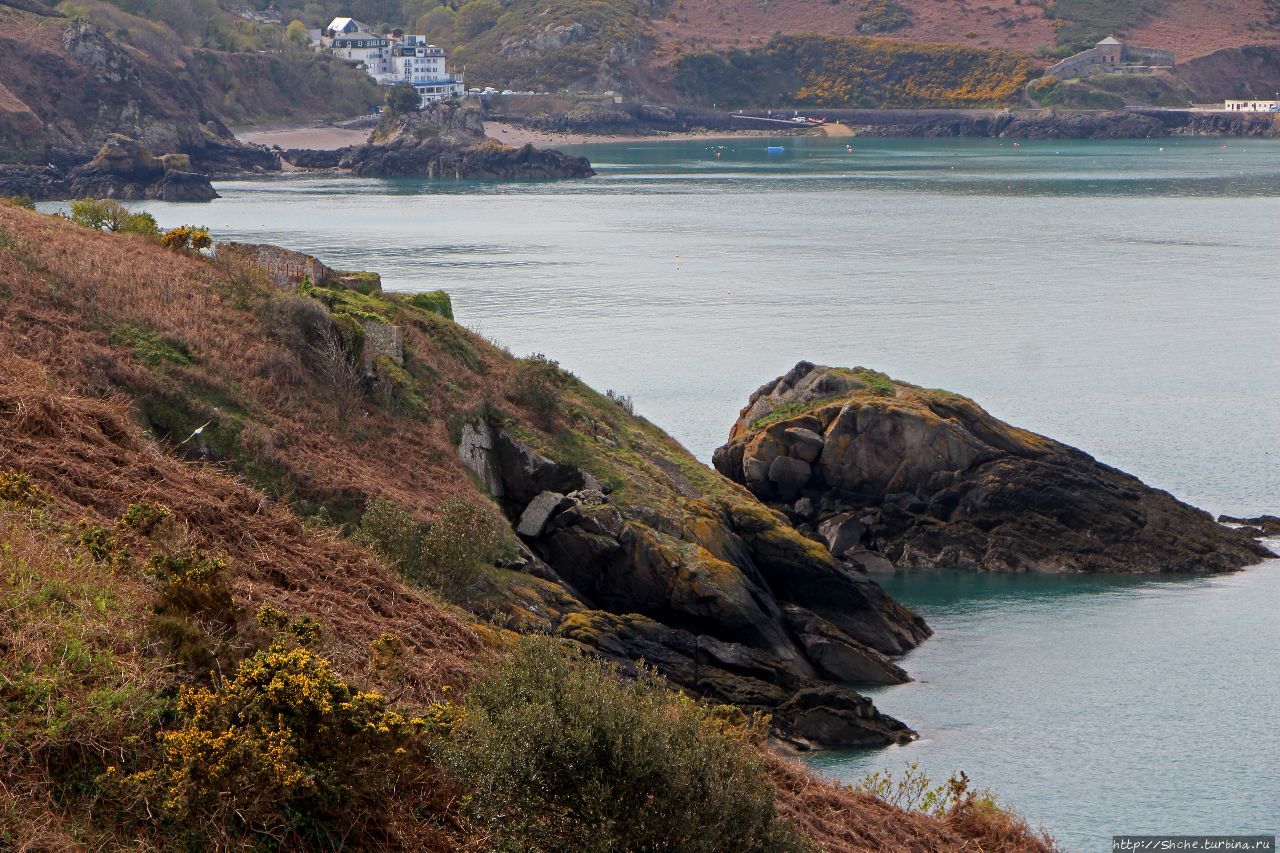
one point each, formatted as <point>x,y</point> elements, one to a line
<point>887,472</point>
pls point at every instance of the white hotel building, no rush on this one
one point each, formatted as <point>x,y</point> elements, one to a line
<point>395,58</point>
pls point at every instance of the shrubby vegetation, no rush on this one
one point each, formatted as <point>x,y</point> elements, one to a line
<point>536,385</point>
<point>450,554</point>
<point>284,750</point>
<point>883,16</point>
<point>186,238</point>
<point>1085,22</point>
<point>562,754</point>
<point>829,71</point>
<point>976,814</point>
<point>107,214</point>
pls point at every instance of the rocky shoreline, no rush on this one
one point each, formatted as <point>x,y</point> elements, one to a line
<point>445,141</point>
<point>641,119</point>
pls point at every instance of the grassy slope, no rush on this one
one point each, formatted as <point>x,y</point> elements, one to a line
<point>86,684</point>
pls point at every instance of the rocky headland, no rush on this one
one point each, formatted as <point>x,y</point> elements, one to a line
<point>890,474</point>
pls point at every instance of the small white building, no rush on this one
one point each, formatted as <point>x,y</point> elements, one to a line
<point>346,27</point>
<point>1252,106</point>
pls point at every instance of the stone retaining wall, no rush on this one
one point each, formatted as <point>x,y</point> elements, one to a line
<point>285,267</point>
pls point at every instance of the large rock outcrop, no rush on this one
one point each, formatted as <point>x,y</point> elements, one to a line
<point>888,473</point>
<point>447,141</point>
<point>434,158</point>
<point>717,592</point>
<point>124,169</point>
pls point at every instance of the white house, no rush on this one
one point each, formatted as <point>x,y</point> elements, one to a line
<point>346,27</point>
<point>353,40</point>
<point>1253,106</point>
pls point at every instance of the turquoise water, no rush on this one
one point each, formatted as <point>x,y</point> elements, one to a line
<point>1120,296</point>
<point>1096,706</point>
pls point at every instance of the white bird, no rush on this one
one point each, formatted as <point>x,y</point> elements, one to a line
<point>199,430</point>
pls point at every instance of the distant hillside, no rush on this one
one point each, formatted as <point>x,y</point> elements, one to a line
<point>644,46</point>
<point>66,84</point>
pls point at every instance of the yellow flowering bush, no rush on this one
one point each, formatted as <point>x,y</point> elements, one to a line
<point>284,749</point>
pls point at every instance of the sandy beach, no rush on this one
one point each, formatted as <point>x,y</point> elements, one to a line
<point>328,137</point>
<point>321,138</point>
<point>515,136</point>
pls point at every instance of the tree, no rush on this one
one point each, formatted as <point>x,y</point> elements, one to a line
<point>403,98</point>
<point>141,223</point>
<point>296,34</point>
<point>102,214</point>
<point>475,17</point>
<point>437,26</point>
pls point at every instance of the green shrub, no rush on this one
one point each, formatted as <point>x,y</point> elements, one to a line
<point>536,385</point>
<point>143,224</point>
<point>107,214</point>
<point>476,16</point>
<point>350,331</point>
<point>192,582</point>
<point>102,545</point>
<point>100,214</point>
<point>914,791</point>
<point>450,554</point>
<point>144,517</point>
<point>403,98</point>
<point>436,301</point>
<point>564,755</point>
<point>395,389</point>
<point>21,201</point>
<point>622,401</point>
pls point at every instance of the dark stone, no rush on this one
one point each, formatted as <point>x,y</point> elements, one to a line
<point>310,158</point>
<point>524,473</point>
<point>828,715</point>
<point>41,183</point>
<point>837,655</point>
<point>435,158</point>
<point>1259,525</point>
<point>804,712</point>
<point>124,169</point>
